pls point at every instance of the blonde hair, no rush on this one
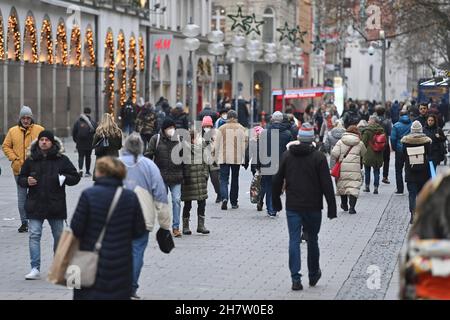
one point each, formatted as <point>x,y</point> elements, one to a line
<point>111,167</point>
<point>108,127</point>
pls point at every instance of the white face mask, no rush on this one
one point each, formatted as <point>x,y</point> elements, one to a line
<point>170,132</point>
<point>206,130</point>
<point>224,116</point>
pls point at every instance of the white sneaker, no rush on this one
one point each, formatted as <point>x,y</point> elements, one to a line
<point>33,275</point>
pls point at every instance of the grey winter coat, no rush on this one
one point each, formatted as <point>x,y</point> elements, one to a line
<point>350,180</point>
<point>333,137</point>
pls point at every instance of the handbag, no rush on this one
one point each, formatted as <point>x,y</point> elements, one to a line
<point>67,246</point>
<point>85,263</point>
<point>255,187</point>
<point>336,170</point>
<point>165,240</point>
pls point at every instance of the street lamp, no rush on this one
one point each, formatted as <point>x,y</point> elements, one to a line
<point>270,57</point>
<point>216,48</point>
<point>254,52</point>
<point>191,44</point>
<point>284,59</point>
<point>383,68</point>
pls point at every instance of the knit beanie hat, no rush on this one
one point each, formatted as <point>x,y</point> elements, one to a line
<point>47,134</point>
<point>277,117</point>
<point>25,112</point>
<point>207,122</point>
<point>179,105</point>
<point>416,127</point>
<point>167,124</point>
<point>306,133</point>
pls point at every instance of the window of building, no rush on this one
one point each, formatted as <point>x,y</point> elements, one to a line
<point>269,25</point>
<point>218,17</point>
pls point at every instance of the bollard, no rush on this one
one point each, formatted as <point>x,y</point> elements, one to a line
<point>263,119</point>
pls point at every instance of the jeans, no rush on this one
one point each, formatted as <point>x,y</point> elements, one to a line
<point>376,173</point>
<point>224,177</point>
<point>266,189</point>
<point>82,155</point>
<point>399,164</point>
<point>311,222</point>
<point>386,159</point>
<point>175,190</point>
<point>139,246</point>
<point>413,191</point>
<point>35,229</point>
<point>214,174</point>
<point>21,198</point>
<point>128,128</point>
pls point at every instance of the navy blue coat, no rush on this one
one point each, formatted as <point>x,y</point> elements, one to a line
<point>284,137</point>
<point>114,273</point>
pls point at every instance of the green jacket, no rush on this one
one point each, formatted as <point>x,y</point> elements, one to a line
<point>195,176</point>
<point>372,158</point>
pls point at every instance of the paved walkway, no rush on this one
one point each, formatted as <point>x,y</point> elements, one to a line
<point>244,257</point>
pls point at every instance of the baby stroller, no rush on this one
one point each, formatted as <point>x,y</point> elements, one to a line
<point>425,264</point>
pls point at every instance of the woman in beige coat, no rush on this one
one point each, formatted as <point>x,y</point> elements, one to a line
<point>350,180</point>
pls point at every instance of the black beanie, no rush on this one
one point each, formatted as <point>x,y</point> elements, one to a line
<point>48,134</point>
<point>167,124</point>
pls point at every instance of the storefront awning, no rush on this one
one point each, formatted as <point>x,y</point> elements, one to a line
<point>302,93</point>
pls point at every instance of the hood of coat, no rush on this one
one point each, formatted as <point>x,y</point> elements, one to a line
<point>337,133</point>
<point>35,153</point>
<point>350,139</point>
<point>405,119</point>
<point>416,138</point>
<point>300,149</point>
<point>283,126</point>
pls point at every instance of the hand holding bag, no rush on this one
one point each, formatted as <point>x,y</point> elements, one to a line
<point>87,261</point>
<point>336,170</point>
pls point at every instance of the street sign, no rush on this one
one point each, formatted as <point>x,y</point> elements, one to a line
<point>161,42</point>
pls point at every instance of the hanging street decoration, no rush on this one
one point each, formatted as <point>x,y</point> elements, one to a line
<point>285,32</point>
<point>253,25</point>
<point>318,44</point>
<point>296,34</point>
<point>239,21</point>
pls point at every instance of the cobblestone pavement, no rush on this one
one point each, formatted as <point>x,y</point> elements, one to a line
<point>244,257</point>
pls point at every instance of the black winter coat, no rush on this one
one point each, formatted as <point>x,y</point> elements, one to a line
<point>437,152</point>
<point>284,137</point>
<point>115,144</point>
<point>47,199</point>
<point>82,134</point>
<point>308,179</point>
<point>243,114</point>
<point>115,265</point>
<point>420,173</point>
<point>171,173</point>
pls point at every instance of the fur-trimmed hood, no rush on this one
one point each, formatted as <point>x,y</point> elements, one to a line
<point>35,153</point>
<point>416,138</point>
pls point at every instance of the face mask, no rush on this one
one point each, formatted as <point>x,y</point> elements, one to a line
<point>170,132</point>
<point>224,117</point>
<point>206,130</point>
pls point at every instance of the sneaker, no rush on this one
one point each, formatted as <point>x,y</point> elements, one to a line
<point>88,175</point>
<point>33,275</point>
<point>23,228</point>
<point>234,206</point>
<point>272,214</point>
<point>297,285</point>
<point>224,205</point>
<point>218,199</point>
<point>134,296</point>
<point>176,233</point>
<point>313,281</point>
<point>352,211</point>
<point>386,181</point>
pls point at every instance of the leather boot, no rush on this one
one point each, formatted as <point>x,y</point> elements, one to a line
<point>201,225</point>
<point>186,229</point>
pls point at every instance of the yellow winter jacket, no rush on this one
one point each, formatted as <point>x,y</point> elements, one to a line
<point>16,143</point>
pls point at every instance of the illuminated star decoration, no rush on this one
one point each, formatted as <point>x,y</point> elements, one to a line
<point>296,34</point>
<point>284,32</point>
<point>253,25</point>
<point>239,20</point>
<point>318,44</point>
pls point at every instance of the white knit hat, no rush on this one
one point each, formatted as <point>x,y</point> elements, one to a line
<point>416,127</point>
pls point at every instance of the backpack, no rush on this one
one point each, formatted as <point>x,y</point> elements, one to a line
<point>416,157</point>
<point>378,142</point>
<point>84,130</point>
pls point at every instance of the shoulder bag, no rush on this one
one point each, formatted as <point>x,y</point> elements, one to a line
<point>336,170</point>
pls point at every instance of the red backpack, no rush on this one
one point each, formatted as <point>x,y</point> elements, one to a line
<point>378,142</point>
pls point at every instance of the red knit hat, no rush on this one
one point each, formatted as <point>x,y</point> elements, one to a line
<point>207,122</point>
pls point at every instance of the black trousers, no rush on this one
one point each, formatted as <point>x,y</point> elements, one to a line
<point>82,156</point>
<point>352,201</point>
<point>386,158</point>
<point>399,164</point>
<point>188,206</point>
<point>214,174</point>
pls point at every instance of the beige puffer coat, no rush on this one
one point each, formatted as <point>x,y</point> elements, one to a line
<point>350,180</point>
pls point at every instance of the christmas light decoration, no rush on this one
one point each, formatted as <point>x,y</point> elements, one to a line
<point>75,47</point>
<point>46,42</point>
<point>141,54</point>
<point>121,61</point>
<point>110,66</point>
<point>89,47</point>
<point>30,37</point>
<point>13,31</point>
<point>2,42</point>
<point>133,60</point>
<point>61,45</point>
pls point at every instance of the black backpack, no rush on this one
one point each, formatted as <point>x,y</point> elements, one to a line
<point>84,130</point>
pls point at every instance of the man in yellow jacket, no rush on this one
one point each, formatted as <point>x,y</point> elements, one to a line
<point>15,147</point>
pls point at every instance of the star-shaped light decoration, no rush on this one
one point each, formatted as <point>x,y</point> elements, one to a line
<point>318,44</point>
<point>284,32</point>
<point>239,20</point>
<point>253,25</point>
<point>297,34</point>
